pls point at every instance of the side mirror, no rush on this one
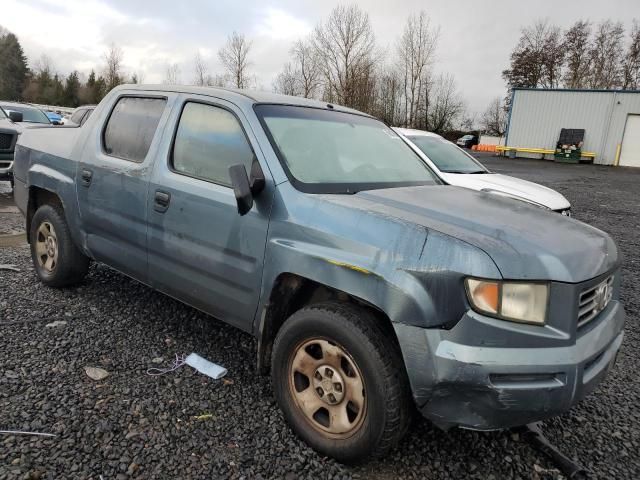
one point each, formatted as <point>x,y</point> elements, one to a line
<point>256,177</point>
<point>15,116</point>
<point>246,187</point>
<point>56,122</point>
<point>241,188</point>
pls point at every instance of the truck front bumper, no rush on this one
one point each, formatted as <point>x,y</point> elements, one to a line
<point>488,388</point>
<point>6,165</point>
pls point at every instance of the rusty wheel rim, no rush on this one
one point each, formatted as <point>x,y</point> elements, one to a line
<point>328,387</point>
<point>46,247</point>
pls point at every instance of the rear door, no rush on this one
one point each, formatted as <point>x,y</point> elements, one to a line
<point>113,179</point>
<point>201,250</point>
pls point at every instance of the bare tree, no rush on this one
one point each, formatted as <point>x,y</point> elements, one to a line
<point>415,49</point>
<point>201,71</point>
<point>494,118</point>
<point>235,58</point>
<point>308,66</point>
<point>288,81</point>
<point>468,121</point>
<point>605,56</point>
<point>538,57</point>
<point>345,45</point>
<point>631,61</point>
<point>113,74</point>
<point>172,75</point>
<point>43,65</point>
<point>446,106</point>
<point>137,78</point>
<point>390,97</point>
<point>576,44</point>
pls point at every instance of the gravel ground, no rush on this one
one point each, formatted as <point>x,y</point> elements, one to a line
<point>183,424</point>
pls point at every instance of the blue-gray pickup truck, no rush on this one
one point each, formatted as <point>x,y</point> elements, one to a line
<point>372,287</point>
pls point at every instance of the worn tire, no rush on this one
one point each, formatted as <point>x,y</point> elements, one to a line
<point>387,396</point>
<point>72,265</point>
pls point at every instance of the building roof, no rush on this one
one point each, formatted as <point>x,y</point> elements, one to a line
<point>581,90</point>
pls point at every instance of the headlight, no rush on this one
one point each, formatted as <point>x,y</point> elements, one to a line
<point>515,301</point>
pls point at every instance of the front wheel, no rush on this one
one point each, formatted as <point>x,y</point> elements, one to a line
<point>340,381</point>
<point>57,260</point>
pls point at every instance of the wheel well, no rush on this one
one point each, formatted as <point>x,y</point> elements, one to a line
<point>292,292</point>
<point>38,197</point>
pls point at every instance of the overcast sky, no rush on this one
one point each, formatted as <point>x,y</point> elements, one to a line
<point>475,37</point>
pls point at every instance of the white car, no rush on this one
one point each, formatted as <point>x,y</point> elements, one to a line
<point>456,167</point>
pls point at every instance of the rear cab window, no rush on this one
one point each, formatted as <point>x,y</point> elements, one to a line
<point>131,127</point>
<point>77,116</point>
<point>208,140</point>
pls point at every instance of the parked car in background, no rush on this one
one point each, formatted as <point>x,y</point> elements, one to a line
<point>80,115</point>
<point>457,167</point>
<point>368,283</point>
<point>9,132</point>
<point>30,114</point>
<point>54,117</point>
<point>467,141</point>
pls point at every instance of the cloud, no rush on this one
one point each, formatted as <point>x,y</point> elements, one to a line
<point>280,25</point>
<point>474,46</point>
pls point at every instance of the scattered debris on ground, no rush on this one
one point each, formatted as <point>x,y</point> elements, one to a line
<point>144,427</point>
<point>95,373</point>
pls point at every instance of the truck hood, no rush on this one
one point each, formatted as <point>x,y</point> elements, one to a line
<point>516,187</point>
<point>524,241</point>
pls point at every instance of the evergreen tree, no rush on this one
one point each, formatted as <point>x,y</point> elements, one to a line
<point>13,68</point>
<point>72,90</point>
<point>100,89</point>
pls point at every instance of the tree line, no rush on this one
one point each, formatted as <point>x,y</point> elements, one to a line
<point>584,56</point>
<point>340,62</point>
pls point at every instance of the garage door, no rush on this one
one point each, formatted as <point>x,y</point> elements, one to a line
<point>630,152</point>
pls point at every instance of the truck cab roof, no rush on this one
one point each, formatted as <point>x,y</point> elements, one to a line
<point>242,96</point>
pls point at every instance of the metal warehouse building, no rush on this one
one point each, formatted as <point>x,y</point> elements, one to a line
<point>610,119</point>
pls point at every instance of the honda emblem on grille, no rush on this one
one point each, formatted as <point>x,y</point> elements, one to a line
<point>602,293</point>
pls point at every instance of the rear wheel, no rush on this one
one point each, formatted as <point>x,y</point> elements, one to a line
<point>340,381</point>
<point>57,260</point>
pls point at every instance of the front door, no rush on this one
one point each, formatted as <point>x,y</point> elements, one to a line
<point>112,183</point>
<point>201,250</point>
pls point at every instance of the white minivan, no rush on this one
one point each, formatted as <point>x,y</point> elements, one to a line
<point>457,167</point>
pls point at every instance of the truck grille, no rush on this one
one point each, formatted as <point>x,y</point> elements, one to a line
<point>594,300</point>
<point>6,141</point>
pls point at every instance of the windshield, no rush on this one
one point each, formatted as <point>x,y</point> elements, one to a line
<point>32,115</point>
<point>325,151</point>
<point>446,156</point>
<point>2,114</point>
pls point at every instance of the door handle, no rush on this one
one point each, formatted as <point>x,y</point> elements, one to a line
<point>86,176</point>
<point>161,201</point>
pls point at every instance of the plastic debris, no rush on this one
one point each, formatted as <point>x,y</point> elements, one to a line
<point>177,363</point>
<point>57,323</point>
<point>569,467</point>
<point>19,432</point>
<point>13,268</point>
<point>206,416</point>
<point>96,373</point>
<point>205,366</point>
